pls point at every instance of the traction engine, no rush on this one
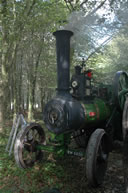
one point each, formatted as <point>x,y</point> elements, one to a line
<point>90,115</point>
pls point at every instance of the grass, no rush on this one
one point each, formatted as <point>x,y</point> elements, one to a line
<point>65,174</point>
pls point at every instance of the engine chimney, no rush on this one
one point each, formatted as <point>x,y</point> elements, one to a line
<point>63,60</point>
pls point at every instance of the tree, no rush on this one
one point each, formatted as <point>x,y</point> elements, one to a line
<point>26,35</point>
<point>27,48</point>
<point>110,59</point>
<point>11,32</point>
<point>95,23</point>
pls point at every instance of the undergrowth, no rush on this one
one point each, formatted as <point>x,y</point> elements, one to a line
<point>65,174</point>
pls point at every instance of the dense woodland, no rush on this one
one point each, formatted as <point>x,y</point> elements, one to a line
<point>27,49</point>
<point>28,73</point>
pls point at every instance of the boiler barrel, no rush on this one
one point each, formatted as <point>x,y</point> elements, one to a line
<point>64,114</point>
<point>96,112</point>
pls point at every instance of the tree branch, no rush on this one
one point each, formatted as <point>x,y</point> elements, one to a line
<point>28,7</point>
<point>81,5</point>
<point>33,3</point>
<point>69,1</point>
<point>77,1</point>
<point>4,7</point>
<point>67,5</point>
<point>111,2</point>
<point>102,3</point>
<point>98,48</point>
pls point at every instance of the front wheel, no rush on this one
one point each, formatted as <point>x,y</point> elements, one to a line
<point>97,153</point>
<point>25,151</point>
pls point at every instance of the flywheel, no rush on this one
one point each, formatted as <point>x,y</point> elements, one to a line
<point>125,143</point>
<point>120,88</point>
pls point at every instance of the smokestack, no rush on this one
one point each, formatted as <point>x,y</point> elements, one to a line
<point>63,60</point>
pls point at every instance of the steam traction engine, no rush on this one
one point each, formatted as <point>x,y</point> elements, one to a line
<point>92,116</point>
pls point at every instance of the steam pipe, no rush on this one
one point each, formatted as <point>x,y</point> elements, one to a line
<point>63,60</point>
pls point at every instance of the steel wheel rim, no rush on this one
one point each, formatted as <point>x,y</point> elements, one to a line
<point>120,84</point>
<point>95,166</point>
<point>25,152</point>
<point>101,161</point>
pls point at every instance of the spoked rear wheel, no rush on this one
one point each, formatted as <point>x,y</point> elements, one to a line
<point>25,151</point>
<point>97,157</point>
<point>120,88</point>
<point>125,143</point>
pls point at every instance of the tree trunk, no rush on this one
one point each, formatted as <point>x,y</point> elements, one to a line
<point>4,74</point>
<point>30,103</point>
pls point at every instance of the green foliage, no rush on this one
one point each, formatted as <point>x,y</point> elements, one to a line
<point>112,58</point>
<point>28,46</point>
<point>49,173</point>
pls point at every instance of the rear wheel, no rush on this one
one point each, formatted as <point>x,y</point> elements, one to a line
<point>125,143</point>
<point>120,89</point>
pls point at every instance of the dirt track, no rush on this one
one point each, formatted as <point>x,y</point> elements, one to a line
<point>113,182</point>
